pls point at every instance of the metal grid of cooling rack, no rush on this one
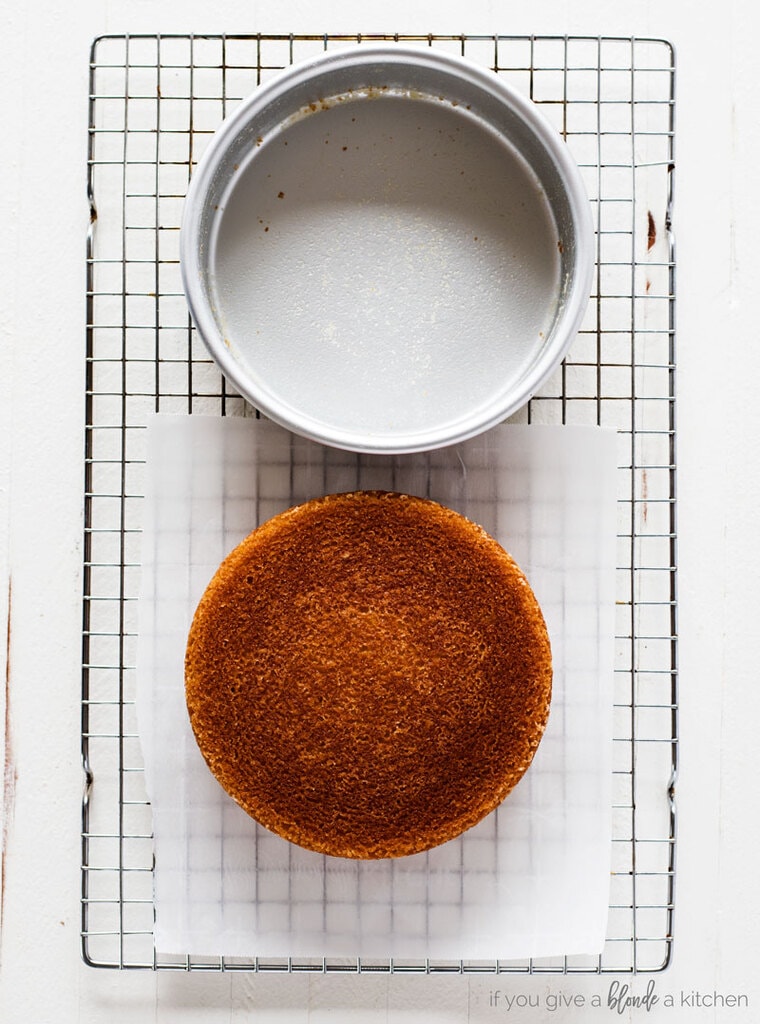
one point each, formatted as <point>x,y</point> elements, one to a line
<point>155,101</point>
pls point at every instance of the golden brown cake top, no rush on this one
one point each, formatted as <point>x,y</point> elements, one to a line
<point>368,674</point>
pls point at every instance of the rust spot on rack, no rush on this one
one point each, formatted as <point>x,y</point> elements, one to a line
<point>651,230</point>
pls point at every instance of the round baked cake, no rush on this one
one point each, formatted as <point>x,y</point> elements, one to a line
<point>368,674</point>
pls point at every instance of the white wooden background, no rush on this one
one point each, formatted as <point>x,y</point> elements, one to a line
<point>43,218</point>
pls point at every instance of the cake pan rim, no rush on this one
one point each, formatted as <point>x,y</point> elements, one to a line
<point>570,307</point>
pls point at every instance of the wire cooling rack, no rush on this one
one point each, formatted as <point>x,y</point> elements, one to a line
<point>155,102</point>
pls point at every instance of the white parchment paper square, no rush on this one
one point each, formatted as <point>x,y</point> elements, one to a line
<point>532,879</point>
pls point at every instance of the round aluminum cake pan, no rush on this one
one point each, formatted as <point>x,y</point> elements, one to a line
<point>387,249</point>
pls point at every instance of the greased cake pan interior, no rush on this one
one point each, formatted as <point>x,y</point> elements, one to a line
<point>387,249</point>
